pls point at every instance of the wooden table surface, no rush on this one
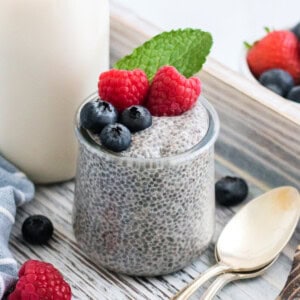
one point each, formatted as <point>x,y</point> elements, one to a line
<point>256,143</point>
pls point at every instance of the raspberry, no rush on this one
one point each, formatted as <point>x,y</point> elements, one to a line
<point>172,94</point>
<point>40,281</point>
<point>123,88</point>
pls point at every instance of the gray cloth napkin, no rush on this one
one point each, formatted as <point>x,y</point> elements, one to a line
<point>15,190</point>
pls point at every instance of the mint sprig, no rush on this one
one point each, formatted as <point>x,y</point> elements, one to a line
<point>185,49</point>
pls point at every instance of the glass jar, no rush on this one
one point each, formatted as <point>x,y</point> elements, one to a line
<point>51,53</point>
<point>145,217</point>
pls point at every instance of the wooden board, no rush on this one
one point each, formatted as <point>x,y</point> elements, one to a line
<point>255,142</point>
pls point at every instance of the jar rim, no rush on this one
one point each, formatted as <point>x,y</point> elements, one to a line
<point>206,142</point>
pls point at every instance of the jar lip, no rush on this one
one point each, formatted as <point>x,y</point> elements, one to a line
<point>206,142</point>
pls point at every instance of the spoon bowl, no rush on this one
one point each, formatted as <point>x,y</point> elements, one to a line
<point>253,237</point>
<point>260,230</point>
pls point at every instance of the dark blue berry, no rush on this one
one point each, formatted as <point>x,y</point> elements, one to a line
<point>274,88</point>
<point>296,30</point>
<point>37,229</point>
<point>136,118</point>
<point>231,191</point>
<point>294,94</point>
<point>115,137</point>
<point>95,115</point>
<point>279,81</point>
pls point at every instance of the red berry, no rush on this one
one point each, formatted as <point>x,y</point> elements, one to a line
<point>123,88</point>
<point>40,281</point>
<point>172,94</point>
<point>277,50</point>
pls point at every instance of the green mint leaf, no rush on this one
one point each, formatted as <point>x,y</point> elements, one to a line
<point>185,49</point>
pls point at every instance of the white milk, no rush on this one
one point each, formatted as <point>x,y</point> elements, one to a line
<point>51,53</point>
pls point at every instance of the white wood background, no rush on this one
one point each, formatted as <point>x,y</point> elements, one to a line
<point>231,22</point>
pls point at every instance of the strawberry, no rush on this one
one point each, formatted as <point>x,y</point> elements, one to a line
<point>172,94</point>
<point>278,49</point>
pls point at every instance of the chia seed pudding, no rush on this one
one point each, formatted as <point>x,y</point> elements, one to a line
<point>168,135</point>
<point>148,210</point>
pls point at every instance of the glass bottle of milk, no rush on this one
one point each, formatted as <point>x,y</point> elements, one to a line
<point>51,53</point>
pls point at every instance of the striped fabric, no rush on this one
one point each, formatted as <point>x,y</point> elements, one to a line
<point>15,190</point>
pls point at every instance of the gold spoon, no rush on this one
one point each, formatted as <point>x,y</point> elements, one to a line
<point>225,278</point>
<point>253,237</point>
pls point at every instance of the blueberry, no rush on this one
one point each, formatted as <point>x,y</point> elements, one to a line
<point>277,80</point>
<point>274,88</point>
<point>136,118</point>
<point>296,30</point>
<point>231,190</point>
<point>294,94</point>
<point>37,229</point>
<point>115,137</point>
<point>95,115</point>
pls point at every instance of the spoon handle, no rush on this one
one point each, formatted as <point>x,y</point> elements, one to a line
<point>191,288</point>
<point>217,285</point>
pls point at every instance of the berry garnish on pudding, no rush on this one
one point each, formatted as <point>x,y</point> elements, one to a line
<point>115,137</point>
<point>171,94</point>
<point>155,100</point>
<point>123,88</point>
<point>136,118</point>
<point>171,120</point>
<point>95,115</point>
